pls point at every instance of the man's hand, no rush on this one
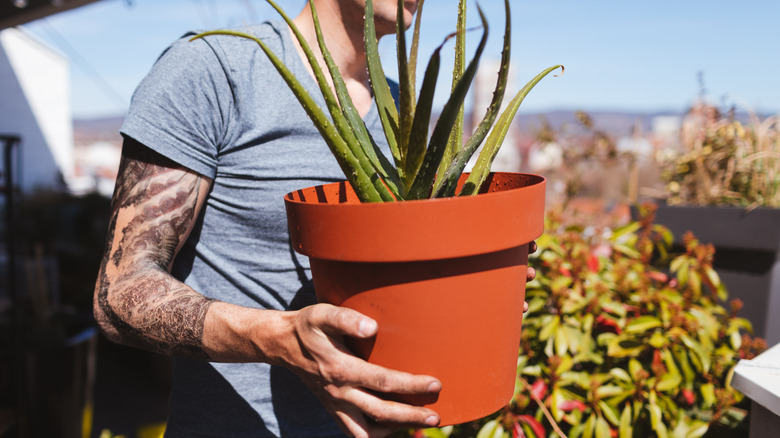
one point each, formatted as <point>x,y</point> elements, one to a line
<point>349,387</point>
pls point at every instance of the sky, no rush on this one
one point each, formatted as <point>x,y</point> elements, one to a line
<point>623,55</point>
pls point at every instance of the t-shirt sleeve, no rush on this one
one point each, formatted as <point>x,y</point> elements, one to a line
<point>182,107</point>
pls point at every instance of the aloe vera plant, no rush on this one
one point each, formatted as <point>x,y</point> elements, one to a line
<point>423,165</point>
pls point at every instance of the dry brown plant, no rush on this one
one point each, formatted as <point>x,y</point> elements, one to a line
<point>723,161</point>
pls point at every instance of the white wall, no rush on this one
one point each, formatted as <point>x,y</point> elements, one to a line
<point>35,105</point>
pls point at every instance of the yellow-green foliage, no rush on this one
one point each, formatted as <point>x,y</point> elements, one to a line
<point>623,339</point>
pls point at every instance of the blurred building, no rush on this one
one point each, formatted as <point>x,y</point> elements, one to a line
<point>35,106</point>
<point>666,128</point>
<point>97,162</point>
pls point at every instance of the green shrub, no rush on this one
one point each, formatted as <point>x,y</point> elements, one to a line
<point>623,339</point>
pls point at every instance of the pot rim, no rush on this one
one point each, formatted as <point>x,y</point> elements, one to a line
<point>308,195</point>
<point>336,226</point>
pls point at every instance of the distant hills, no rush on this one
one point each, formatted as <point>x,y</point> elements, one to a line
<point>616,123</point>
<point>97,129</point>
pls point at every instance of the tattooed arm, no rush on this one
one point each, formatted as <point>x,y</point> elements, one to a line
<point>138,302</point>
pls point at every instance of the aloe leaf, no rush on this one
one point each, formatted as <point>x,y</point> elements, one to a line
<point>481,170</point>
<point>415,45</point>
<point>406,90</point>
<point>347,111</point>
<point>455,141</point>
<point>418,137</point>
<point>423,181</point>
<point>446,185</point>
<point>330,100</point>
<point>360,181</point>
<point>388,113</point>
<point>362,151</point>
<point>361,146</point>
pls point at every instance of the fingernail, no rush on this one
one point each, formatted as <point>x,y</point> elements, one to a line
<point>434,386</point>
<point>433,420</point>
<point>367,327</point>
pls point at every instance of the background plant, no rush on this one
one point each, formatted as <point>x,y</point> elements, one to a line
<point>725,162</point>
<point>423,165</point>
<point>623,339</point>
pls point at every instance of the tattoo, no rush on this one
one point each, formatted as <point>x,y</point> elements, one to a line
<point>138,301</point>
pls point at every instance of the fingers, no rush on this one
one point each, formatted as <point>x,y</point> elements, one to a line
<point>385,413</point>
<point>343,321</point>
<point>341,368</point>
<point>321,333</point>
<point>355,423</point>
<point>380,379</point>
<point>361,414</point>
<point>530,274</point>
<point>350,388</point>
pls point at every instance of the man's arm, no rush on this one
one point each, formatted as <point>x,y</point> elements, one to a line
<point>137,302</point>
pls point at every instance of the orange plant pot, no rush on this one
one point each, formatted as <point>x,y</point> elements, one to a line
<point>444,279</point>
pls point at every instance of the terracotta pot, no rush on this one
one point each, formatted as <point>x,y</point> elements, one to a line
<point>444,278</point>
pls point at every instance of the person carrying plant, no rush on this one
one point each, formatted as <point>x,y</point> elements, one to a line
<point>198,263</point>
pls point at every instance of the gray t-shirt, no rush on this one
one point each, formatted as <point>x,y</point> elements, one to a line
<point>218,107</point>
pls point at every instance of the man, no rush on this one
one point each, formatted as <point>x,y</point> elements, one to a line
<point>198,263</point>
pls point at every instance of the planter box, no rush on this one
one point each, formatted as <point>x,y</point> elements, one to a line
<point>759,379</point>
<point>747,256</point>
